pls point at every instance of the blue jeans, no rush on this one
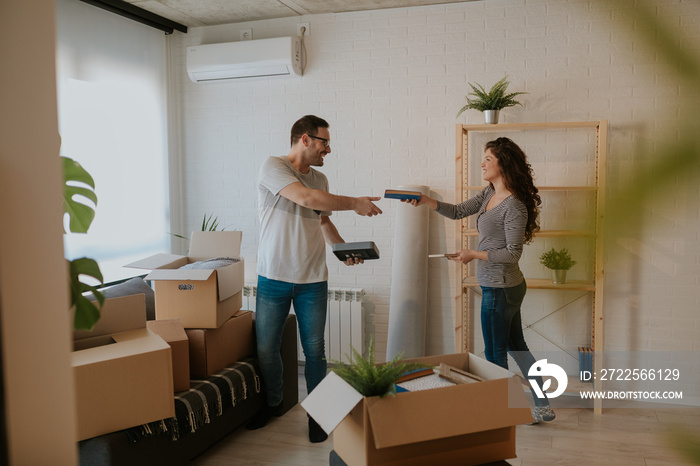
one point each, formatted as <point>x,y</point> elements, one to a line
<point>272,306</point>
<point>503,331</point>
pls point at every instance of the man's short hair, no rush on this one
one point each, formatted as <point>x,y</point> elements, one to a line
<point>308,124</point>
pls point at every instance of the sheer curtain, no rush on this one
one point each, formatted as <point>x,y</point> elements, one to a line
<point>111,75</point>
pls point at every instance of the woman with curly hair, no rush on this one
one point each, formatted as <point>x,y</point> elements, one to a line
<point>507,217</point>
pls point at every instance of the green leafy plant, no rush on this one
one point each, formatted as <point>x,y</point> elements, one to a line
<point>87,312</point>
<point>209,223</point>
<point>371,379</point>
<point>676,158</point>
<point>557,260</point>
<point>79,187</point>
<point>78,182</point>
<point>495,99</point>
<point>685,443</point>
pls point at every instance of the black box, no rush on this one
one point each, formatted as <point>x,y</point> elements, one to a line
<point>363,250</point>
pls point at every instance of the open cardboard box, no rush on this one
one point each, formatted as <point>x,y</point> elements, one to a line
<point>199,298</point>
<point>466,424</point>
<point>122,384</point>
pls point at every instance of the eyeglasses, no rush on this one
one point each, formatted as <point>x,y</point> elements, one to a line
<point>326,142</point>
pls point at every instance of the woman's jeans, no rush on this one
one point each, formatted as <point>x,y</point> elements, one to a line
<point>272,306</point>
<point>503,332</point>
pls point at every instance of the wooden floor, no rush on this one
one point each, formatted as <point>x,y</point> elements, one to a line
<point>621,436</point>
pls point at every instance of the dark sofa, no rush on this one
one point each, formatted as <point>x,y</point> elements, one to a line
<point>153,445</point>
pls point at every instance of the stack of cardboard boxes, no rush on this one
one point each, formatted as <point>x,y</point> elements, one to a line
<point>127,369</point>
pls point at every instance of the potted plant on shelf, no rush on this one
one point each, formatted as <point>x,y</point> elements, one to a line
<point>491,102</point>
<point>559,262</point>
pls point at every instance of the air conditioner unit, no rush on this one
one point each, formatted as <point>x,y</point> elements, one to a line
<point>244,59</point>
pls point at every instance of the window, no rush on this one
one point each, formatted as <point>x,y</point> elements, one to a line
<point>111,79</point>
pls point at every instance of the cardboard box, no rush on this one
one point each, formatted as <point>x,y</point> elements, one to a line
<point>123,384</point>
<point>465,424</point>
<point>213,349</point>
<point>118,315</point>
<point>173,333</point>
<point>199,298</point>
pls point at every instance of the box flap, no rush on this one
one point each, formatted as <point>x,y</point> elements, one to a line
<point>169,330</point>
<point>485,369</point>
<point>179,274</point>
<point>331,401</point>
<point>118,315</point>
<point>210,244</point>
<point>126,344</point>
<point>158,261</point>
<point>230,279</point>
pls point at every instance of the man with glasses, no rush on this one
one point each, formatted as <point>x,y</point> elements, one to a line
<point>294,207</point>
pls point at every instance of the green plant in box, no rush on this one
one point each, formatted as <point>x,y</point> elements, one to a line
<point>209,223</point>
<point>371,379</point>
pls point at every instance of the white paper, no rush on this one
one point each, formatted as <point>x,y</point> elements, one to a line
<point>331,401</point>
<point>408,302</point>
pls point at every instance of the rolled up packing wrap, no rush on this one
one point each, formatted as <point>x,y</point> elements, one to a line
<point>409,280</point>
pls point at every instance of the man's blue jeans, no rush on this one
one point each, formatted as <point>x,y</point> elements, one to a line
<point>272,306</point>
<point>502,328</point>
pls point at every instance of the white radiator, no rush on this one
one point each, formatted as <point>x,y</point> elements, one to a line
<point>344,323</point>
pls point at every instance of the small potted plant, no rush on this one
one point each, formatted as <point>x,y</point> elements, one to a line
<point>559,262</point>
<point>491,102</point>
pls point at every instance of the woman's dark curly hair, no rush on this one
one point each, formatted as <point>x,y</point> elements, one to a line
<point>518,178</point>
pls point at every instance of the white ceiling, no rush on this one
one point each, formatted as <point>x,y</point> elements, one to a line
<point>192,13</point>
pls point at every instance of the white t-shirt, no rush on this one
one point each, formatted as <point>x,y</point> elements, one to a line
<point>292,247</point>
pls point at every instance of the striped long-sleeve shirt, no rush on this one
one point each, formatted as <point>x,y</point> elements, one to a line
<point>501,234</point>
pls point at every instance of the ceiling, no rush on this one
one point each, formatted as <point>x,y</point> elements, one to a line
<point>193,13</point>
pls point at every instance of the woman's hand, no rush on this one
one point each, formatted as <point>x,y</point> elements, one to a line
<point>424,200</point>
<point>464,256</point>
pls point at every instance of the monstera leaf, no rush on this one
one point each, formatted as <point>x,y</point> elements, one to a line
<point>87,312</point>
<point>78,186</point>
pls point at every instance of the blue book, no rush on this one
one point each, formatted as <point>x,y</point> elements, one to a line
<point>399,194</point>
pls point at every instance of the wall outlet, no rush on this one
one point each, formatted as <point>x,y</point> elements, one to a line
<point>246,34</point>
<point>307,31</point>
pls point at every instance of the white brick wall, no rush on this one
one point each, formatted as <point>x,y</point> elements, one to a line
<point>390,83</point>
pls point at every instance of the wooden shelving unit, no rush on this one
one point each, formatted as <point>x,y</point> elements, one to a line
<point>467,284</point>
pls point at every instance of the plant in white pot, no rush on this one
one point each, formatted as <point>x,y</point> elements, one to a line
<point>491,102</point>
<point>559,262</point>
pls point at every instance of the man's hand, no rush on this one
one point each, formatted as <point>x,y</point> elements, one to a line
<point>354,260</point>
<point>365,206</point>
